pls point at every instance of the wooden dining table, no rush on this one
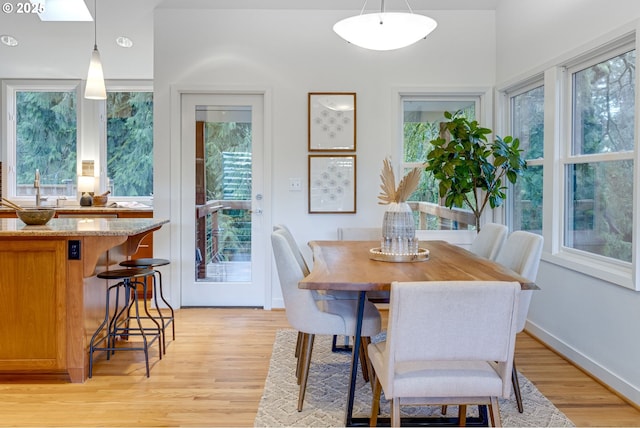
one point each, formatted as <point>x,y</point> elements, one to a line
<point>348,265</point>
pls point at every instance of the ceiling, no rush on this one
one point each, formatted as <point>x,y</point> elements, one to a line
<point>48,42</point>
<point>331,4</point>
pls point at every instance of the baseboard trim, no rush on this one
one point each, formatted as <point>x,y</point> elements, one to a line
<point>600,374</point>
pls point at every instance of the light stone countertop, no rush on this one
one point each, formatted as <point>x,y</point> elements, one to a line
<point>75,209</point>
<point>10,227</point>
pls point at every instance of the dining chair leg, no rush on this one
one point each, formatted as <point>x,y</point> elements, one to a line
<point>298,344</point>
<point>462,415</point>
<point>305,371</point>
<point>516,387</point>
<point>395,412</point>
<point>297,354</point>
<point>494,413</point>
<point>300,362</point>
<point>375,402</point>
<point>364,357</point>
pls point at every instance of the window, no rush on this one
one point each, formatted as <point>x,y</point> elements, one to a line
<point>43,127</point>
<point>526,108</point>
<point>589,163</point>
<point>421,117</point>
<point>42,135</point>
<point>598,165</point>
<point>130,143</point>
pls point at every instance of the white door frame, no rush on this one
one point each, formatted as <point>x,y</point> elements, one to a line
<point>177,239</point>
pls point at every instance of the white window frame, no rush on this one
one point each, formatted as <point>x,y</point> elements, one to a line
<point>505,98</point>
<point>117,86</point>
<point>557,149</point>
<point>91,129</point>
<point>483,98</point>
<point>10,88</point>
<point>609,269</point>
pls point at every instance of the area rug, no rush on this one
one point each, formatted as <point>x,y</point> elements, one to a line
<point>324,403</point>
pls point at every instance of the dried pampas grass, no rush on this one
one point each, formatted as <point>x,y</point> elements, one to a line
<point>407,186</point>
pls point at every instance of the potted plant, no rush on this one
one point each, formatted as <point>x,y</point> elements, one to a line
<point>471,171</point>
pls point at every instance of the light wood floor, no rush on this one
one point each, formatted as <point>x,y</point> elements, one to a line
<point>213,375</point>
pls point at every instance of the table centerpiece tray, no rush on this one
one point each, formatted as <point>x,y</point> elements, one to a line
<point>377,254</point>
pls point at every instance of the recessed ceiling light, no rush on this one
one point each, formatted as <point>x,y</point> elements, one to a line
<point>8,40</point>
<point>124,42</point>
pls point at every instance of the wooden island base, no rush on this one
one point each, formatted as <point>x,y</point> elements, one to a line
<point>52,300</point>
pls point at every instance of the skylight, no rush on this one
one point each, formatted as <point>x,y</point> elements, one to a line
<point>64,10</point>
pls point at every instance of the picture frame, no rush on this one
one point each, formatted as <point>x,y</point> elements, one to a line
<point>332,184</point>
<point>332,121</point>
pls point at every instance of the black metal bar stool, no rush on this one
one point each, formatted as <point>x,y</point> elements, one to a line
<point>120,323</point>
<point>151,263</point>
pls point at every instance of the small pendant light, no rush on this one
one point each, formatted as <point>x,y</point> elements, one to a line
<point>95,88</point>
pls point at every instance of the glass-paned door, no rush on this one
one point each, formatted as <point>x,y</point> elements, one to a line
<point>222,135</point>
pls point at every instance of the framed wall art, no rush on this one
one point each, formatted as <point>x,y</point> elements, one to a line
<point>332,121</point>
<point>332,184</point>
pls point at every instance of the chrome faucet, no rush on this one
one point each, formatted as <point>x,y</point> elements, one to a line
<point>36,184</point>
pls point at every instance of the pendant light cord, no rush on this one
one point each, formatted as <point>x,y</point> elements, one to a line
<point>382,8</point>
<point>95,24</point>
<point>408,6</point>
<point>364,6</point>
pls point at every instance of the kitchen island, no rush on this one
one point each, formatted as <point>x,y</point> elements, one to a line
<point>52,301</point>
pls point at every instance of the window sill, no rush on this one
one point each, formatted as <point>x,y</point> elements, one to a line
<point>617,273</point>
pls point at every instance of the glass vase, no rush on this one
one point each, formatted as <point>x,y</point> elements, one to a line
<point>398,229</point>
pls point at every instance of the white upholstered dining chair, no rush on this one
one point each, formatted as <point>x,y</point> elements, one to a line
<point>448,342</point>
<point>521,253</point>
<point>318,294</point>
<point>291,240</point>
<point>489,240</point>
<point>359,233</point>
<point>321,295</point>
<point>311,316</point>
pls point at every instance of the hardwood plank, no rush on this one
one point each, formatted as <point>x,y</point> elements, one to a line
<point>584,400</point>
<point>213,375</point>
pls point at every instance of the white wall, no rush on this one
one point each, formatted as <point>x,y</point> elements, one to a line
<point>530,33</point>
<point>592,322</point>
<point>291,53</point>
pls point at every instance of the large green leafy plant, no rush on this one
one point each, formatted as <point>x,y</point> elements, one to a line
<point>471,171</point>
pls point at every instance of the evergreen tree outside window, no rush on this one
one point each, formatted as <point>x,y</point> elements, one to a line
<point>46,140</point>
<point>130,143</point>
